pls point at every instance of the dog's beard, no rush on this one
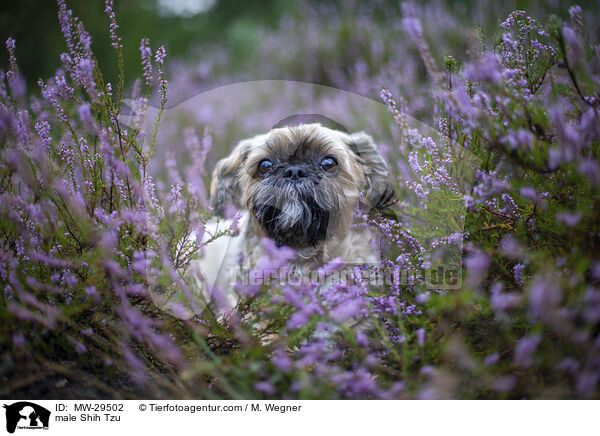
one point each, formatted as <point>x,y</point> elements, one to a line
<point>293,214</point>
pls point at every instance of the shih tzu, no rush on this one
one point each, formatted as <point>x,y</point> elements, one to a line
<point>300,186</point>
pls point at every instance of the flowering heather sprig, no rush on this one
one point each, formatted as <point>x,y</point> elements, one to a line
<point>116,39</point>
<point>146,54</point>
<point>11,74</point>
<point>518,270</point>
<point>388,100</point>
<point>66,24</point>
<point>160,55</point>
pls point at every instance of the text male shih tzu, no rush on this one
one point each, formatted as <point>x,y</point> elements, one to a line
<point>299,186</point>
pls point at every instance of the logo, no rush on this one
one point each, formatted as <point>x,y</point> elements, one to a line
<point>26,415</point>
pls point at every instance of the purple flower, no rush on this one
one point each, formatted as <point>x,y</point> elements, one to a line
<point>576,50</point>
<point>518,271</point>
<point>544,296</point>
<point>591,300</point>
<point>529,193</point>
<point>362,340</point>
<point>477,265</point>
<point>586,383</point>
<point>160,55</point>
<point>501,301</point>
<point>491,359</point>
<point>11,74</point>
<point>18,340</point>
<point>43,130</point>
<point>569,219</point>
<point>146,54</point>
<point>10,45</point>
<point>298,320</point>
<point>486,69</point>
<point>520,139</point>
<point>116,40</point>
<point>590,169</point>
<point>511,247</point>
<point>574,10</point>
<point>421,337</point>
<point>348,310</point>
<point>79,347</point>
<point>504,383</point>
<point>264,387</point>
<point>525,349</point>
<point>85,114</point>
<point>568,364</point>
<point>282,361</point>
<point>413,27</point>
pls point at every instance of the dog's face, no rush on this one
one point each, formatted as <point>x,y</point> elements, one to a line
<point>301,183</point>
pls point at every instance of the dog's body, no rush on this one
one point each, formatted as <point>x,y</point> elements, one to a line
<point>299,186</point>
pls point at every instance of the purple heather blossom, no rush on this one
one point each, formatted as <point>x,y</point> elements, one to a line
<point>66,24</point>
<point>146,54</point>
<point>520,139</point>
<point>501,301</point>
<point>529,193</point>
<point>510,247</point>
<point>591,300</point>
<point>518,271</point>
<point>504,383</point>
<point>361,339</point>
<point>85,114</point>
<point>298,320</point>
<point>282,361</point>
<point>590,169</point>
<point>12,73</point>
<point>413,27</point>
<point>525,349</point>
<point>421,337</point>
<point>576,50</point>
<point>79,347</point>
<point>486,69</point>
<point>574,10</point>
<point>116,40</point>
<point>586,383</point>
<point>568,364</point>
<point>160,55</point>
<point>477,265</point>
<point>491,359</point>
<point>544,296</point>
<point>569,219</point>
<point>18,340</point>
<point>43,130</point>
<point>348,310</point>
<point>264,387</point>
<point>10,45</point>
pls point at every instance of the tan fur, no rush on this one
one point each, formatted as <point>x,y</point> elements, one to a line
<point>235,181</point>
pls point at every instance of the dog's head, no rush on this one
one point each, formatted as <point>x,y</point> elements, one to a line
<point>301,183</point>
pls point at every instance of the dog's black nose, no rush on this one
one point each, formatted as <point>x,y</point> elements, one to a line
<point>294,173</point>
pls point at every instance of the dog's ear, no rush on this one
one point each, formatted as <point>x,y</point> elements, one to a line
<point>379,194</point>
<point>225,186</point>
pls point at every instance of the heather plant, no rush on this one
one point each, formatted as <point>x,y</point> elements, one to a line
<point>96,245</point>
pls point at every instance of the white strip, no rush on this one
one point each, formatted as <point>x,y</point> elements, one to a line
<point>242,418</point>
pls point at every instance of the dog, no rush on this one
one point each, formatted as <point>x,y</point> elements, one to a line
<point>299,186</point>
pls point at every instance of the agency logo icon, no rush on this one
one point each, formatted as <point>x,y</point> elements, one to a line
<point>26,415</point>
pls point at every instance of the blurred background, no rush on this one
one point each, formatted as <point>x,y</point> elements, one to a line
<point>357,46</point>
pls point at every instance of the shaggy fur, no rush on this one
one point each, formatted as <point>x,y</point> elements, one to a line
<point>312,214</point>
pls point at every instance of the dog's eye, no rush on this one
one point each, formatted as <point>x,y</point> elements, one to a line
<point>264,166</point>
<point>328,164</point>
